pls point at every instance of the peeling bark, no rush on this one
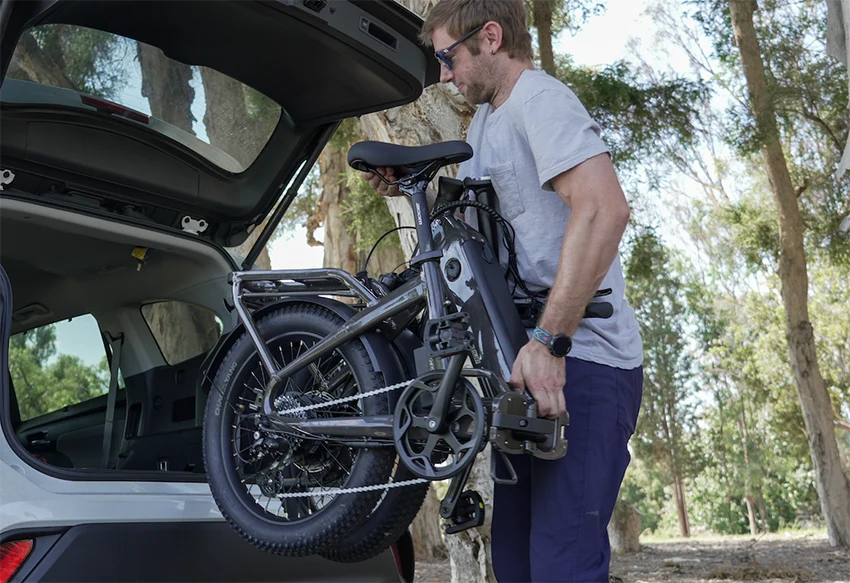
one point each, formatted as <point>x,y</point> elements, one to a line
<point>624,528</point>
<point>428,542</point>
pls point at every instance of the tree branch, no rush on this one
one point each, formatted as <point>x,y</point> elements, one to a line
<point>839,145</point>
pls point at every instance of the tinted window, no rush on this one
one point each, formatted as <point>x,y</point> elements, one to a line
<point>199,105</point>
<point>182,330</point>
<point>58,365</point>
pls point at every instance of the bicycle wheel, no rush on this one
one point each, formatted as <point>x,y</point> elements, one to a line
<point>250,467</point>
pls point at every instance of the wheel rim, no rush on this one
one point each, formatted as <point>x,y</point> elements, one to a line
<point>262,473</point>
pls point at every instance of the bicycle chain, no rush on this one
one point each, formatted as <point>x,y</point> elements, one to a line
<point>360,489</point>
<point>295,410</point>
<point>335,491</point>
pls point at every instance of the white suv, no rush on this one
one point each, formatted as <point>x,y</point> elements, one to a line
<point>141,141</point>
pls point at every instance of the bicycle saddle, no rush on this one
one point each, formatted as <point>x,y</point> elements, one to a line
<point>407,160</point>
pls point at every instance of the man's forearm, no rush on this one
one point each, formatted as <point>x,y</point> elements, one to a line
<point>590,246</point>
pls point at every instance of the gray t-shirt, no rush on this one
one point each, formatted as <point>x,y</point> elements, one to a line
<point>540,131</point>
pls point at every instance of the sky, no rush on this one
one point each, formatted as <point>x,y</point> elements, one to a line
<point>602,40</point>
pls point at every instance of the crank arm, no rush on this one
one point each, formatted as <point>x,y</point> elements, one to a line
<point>449,503</point>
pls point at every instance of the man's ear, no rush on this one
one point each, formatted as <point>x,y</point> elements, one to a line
<point>492,35</point>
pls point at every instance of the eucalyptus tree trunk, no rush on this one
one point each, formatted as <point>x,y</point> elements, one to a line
<point>166,85</point>
<point>833,483</point>
<point>681,506</point>
<point>624,528</point>
<point>542,13</point>
<point>440,114</point>
<point>341,245</point>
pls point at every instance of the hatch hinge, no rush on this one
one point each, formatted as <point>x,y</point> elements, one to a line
<point>6,177</point>
<point>193,225</point>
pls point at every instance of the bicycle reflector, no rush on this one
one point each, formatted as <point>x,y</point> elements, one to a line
<point>12,556</point>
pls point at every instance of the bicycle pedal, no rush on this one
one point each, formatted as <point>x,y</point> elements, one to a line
<point>469,513</point>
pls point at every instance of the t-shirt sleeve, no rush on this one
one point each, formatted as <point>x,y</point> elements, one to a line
<point>560,132</point>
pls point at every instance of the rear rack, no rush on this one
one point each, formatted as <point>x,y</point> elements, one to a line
<point>288,283</point>
<point>297,282</point>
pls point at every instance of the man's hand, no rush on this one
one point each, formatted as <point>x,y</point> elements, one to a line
<point>543,375</point>
<point>379,185</point>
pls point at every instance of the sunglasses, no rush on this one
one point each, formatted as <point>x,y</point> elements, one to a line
<point>443,56</point>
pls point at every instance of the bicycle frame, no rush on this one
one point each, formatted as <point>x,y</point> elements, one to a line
<point>429,292</point>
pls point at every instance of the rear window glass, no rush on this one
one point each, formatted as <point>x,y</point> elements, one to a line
<point>200,106</point>
<point>182,330</point>
<point>58,365</point>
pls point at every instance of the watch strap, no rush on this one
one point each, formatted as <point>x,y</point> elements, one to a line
<point>542,336</point>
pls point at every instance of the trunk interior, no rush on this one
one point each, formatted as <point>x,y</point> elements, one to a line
<point>81,285</point>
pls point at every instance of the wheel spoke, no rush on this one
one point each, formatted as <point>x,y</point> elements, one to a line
<point>312,466</point>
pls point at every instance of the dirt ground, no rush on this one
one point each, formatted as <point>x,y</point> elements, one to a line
<point>773,559</point>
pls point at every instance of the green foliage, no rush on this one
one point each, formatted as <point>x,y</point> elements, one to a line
<point>92,60</point>
<point>366,213</point>
<point>809,97</point>
<point>637,117</point>
<point>569,15</point>
<point>755,232</point>
<point>45,381</point>
<point>261,108</point>
<point>644,487</point>
<point>346,135</point>
<point>753,439</point>
<point>667,421</point>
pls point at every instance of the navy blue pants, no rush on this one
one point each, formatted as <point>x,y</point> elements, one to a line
<point>552,525</point>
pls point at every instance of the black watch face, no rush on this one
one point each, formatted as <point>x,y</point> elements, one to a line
<point>561,345</point>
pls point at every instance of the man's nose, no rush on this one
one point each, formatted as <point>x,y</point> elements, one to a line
<point>446,74</point>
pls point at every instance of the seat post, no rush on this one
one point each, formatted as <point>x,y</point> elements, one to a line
<point>422,219</point>
<point>419,200</point>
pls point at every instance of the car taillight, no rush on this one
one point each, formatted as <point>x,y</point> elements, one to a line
<point>12,555</point>
<point>397,557</point>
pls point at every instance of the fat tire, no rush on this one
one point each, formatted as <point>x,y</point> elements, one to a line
<point>372,466</point>
<point>385,525</point>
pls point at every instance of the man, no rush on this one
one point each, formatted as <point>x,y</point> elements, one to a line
<point>557,186</point>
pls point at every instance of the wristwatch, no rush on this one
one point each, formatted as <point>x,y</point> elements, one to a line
<point>559,344</point>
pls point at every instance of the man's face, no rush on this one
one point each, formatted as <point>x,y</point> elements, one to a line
<point>471,74</point>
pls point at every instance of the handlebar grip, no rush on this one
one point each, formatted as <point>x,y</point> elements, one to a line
<point>599,310</point>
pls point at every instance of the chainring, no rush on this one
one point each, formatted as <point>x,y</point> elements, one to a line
<point>438,456</point>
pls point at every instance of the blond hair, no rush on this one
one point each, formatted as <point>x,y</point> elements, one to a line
<point>461,16</point>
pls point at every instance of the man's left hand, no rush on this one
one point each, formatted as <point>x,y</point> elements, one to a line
<point>543,375</point>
